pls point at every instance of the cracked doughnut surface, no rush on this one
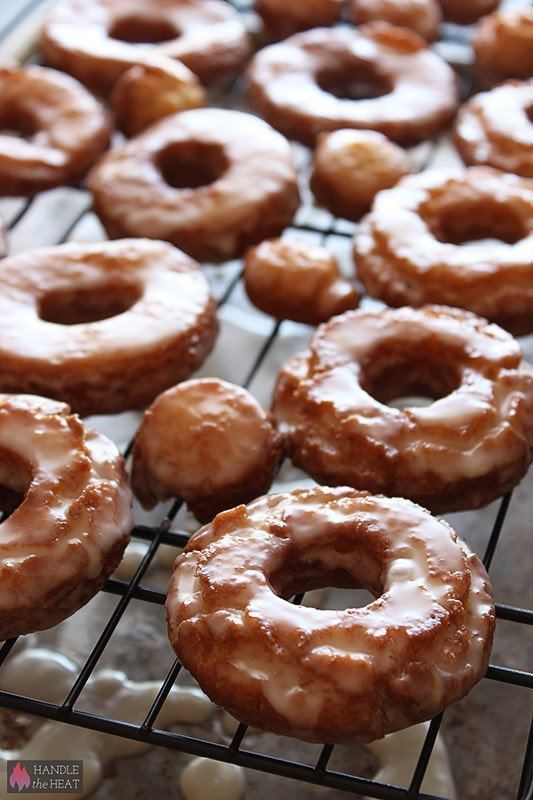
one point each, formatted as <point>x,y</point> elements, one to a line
<point>472,444</point>
<point>68,534</point>
<point>330,675</point>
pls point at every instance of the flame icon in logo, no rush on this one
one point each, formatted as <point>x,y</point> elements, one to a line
<point>19,778</point>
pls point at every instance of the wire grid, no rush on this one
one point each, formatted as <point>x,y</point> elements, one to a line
<point>324,226</point>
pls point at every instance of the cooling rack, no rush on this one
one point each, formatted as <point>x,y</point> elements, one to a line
<point>71,207</point>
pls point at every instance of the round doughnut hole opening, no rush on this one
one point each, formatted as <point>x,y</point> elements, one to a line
<point>18,124</point>
<point>143,30</point>
<point>15,479</point>
<point>83,305</point>
<point>529,113</point>
<point>475,222</point>
<point>191,165</point>
<point>335,599</point>
<point>360,83</point>
<point>401,382</point>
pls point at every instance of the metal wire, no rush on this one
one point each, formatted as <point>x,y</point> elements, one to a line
<point>126,591</point>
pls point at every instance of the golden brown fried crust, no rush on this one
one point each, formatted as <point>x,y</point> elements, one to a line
<point>105,327</point>
<point>420,16</point>
<point>410,249</point>
<point>206,441</point>
<point>328,675</point>
<point>304,85</point>
<point>75,513</point>
<point>96,40</point>
<point>293,280</point>
<point>503,46</point>
<point>351,167</point>
<point>282,18</point>
<point>465,12</point>
<point>470,446</point>
<point>66,130</point>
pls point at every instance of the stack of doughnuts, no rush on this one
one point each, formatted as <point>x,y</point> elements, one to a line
<point>123,325</point>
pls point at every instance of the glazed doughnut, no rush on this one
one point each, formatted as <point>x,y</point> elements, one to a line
<point>332,676</point>
<point>146,93</point>
<point>282,18</point>
<point>468,447</point>
<point>503,46</point>
<point>465,12</point>
<point>291,279</point>
<point>421,16</point>
<point>104,327</point>
<point>212,182</point>
<point>96,40</point>
<point>419,244</point>
<point>494,128</point>
<point>70,530</point>
<point>207,441</point>
<point>351,167</point>
<point>66,130</point>
<point>375,77</point>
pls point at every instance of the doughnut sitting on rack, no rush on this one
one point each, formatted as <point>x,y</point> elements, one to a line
<point>105,327</point>
<point>97,40</point>
<point>208,442</point>
<point>350,167</point>
<point>503,46</point>
<point>283,18</point>
<point>211,181</point>
<point>458,237</point>
<point>70,530</point>
<point>471,445</point>
<point>331,675</point>
<point>493,128</point>
<point>291,279</point>
<point>421,16</point>
<point>60,130</point>
<point>377,77</point>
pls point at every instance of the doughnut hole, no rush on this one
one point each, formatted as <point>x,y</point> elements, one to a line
<point>472,220</point>
<point>143,30</point>
<point>15,480</point>
<point>17,122</point>
<point>191,165</point>
<point>68,306</point>
<point>400,379</point>
<point>354,81</point>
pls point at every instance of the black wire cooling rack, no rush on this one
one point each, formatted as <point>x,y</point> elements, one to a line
<point>234,752</point>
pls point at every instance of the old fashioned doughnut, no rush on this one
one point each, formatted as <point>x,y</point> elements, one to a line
<point>351,167</point>
<point>465,12</point>
<point>96,40</point>
<point>461,238</point>
<point>105,327</point>
<point>420,16</point>
<point>291,279</point>
<point>210,181</point>
<point>494,128</point>
<point>146,93</point>
<point>60,130</point>
<point>503,46</point>
<point>282,18</point>
<point>468,447</point>
<point>331,675</point>
<point>375,77</point>
<point>70,530</point>
<point>207,441</point>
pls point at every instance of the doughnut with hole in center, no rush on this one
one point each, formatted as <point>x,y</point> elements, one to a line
<point>461,238</point>
<point>69,532</point>
<point>420,16</point>
<point>291,279</point>
<point>207,441</point>
<point>282,18</point>
<point>321,675</point>
<point>105,327</point>
<point>465,12</point>
<point>468,447</point>
<point>96,40</point>
<point>503,46</point>
<point>60,130</point>
<point>493,128</point>
<point>211,181</point>
<point>376,77</point>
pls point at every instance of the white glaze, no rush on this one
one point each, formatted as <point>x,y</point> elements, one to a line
<point>204,779</point>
